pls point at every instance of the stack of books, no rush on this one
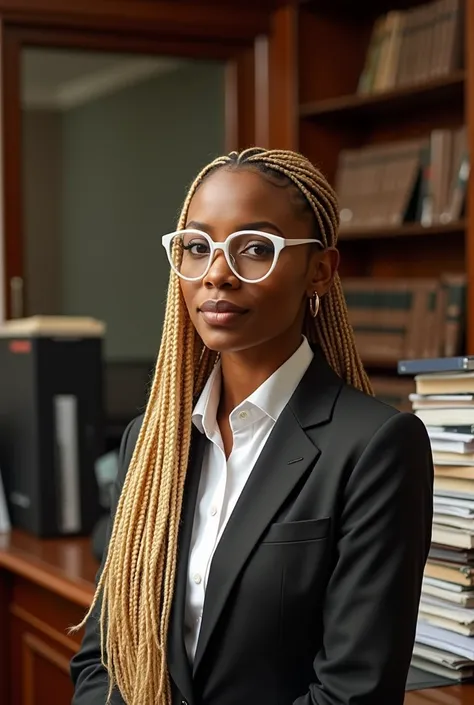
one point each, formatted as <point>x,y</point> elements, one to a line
<point>444,401</point>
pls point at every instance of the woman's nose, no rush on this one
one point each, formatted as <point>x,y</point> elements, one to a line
<point>220,274</point>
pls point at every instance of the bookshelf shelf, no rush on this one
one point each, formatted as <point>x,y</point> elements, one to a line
<point>349,7</point>
<point>423,96</point>
<point>408,230</point>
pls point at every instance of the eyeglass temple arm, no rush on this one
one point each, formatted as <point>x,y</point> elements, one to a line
<point>302,241</point>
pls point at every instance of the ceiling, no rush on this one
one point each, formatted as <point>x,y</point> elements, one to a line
<point>62,79</point>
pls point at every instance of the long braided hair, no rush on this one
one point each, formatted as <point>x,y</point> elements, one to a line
<point>135,589</point>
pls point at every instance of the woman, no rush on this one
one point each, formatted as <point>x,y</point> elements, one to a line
<point>272,518</point>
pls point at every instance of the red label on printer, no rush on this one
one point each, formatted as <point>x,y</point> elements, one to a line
<point>20,346</point>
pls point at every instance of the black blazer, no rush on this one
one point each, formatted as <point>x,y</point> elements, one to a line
<point>313,591</point>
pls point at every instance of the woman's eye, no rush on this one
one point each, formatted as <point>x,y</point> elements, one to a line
<point>197,248</point>
<point>258,249</point>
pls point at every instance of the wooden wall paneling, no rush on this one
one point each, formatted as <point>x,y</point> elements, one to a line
<point>162,17</point>
<point>469,61</point>
<point>283,94</point>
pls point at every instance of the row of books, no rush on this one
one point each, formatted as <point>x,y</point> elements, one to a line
<point>445,403</point>
<point>418,180</point>
<point>395,319</point>
<point>414,46</point>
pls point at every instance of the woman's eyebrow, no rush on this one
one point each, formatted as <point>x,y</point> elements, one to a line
<point>257,225</point>
<point>198,226</point>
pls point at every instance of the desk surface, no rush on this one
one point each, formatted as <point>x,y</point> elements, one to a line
<point>63,566</point>
<point>453,695</point>
<point>66,567</point>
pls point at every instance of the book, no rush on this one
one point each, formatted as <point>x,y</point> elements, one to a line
<point>459,363</point>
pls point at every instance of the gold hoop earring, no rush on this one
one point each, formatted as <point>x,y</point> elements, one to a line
<point>314,304</point>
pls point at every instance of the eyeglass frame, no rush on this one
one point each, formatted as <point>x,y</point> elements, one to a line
<point>279,244</point>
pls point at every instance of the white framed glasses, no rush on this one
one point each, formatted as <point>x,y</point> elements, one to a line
<point>251,254</point>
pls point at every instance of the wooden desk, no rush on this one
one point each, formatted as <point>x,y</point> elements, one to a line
<point>454,695</point>
<point>45,587</point>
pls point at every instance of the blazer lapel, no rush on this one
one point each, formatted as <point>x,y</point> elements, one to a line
<point>178,662</point>
<point>272,480</point>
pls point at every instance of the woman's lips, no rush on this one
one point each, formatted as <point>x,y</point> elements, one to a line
<point>220,312</point>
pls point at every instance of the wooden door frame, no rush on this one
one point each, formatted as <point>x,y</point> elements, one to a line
<point>139,27</point>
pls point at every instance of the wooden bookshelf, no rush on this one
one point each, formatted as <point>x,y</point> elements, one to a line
<point>408,230</point>
<point>377,105</point>
<point>327,41</point>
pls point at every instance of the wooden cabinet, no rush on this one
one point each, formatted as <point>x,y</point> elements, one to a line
<point>45,588</point>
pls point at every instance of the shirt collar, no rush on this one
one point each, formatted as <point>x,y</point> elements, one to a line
<point>270,398</point>
<point>205,410</point>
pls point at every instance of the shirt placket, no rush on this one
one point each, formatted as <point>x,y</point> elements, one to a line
<point>215,509</point>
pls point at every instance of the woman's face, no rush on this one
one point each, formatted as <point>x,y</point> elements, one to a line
<point>271,310</point>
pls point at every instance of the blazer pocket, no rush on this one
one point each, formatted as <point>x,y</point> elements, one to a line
<point>295,531</point>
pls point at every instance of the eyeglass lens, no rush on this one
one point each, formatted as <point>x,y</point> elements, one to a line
<point>251,255</point>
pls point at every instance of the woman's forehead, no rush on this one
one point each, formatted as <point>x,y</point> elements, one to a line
<point>242,195</point>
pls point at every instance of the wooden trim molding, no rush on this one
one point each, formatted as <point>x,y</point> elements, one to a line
<point>158,17</point>
<point>119,43</point>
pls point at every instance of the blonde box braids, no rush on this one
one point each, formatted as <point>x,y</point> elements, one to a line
<point>135,589</point>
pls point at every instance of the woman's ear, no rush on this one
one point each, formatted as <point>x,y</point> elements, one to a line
<point>323,268</point>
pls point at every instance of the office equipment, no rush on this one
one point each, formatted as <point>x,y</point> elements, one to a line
<point>4,516</point>
<point>51,422</point>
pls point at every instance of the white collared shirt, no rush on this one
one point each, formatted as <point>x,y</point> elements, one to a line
<point>223,480</point>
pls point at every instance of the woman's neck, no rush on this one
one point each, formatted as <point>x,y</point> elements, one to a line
<point>243,372</point>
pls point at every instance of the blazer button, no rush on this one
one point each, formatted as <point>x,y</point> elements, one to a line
<point>184,702</point>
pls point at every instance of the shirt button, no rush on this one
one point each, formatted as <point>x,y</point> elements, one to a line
<point>197,578</point>
<point>213,511</point>
<point>243,415</point>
